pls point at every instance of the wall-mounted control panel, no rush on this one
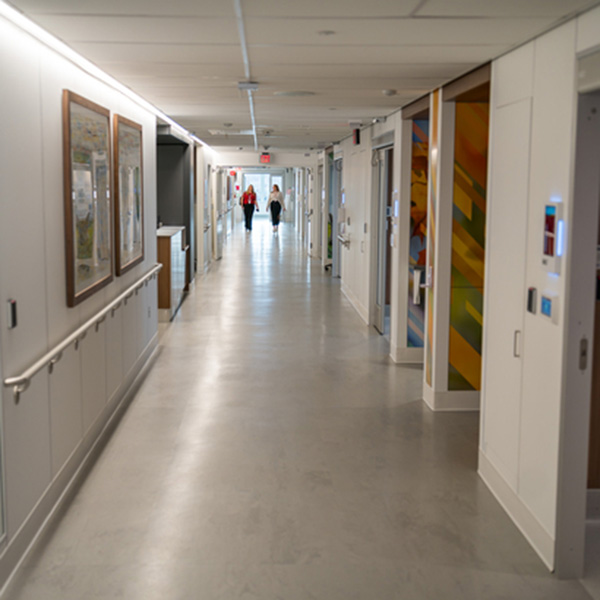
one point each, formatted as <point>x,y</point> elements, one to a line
<point>554,237</point>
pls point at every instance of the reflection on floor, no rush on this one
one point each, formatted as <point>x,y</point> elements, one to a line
<point>275,452</point>
<point>591,580</point>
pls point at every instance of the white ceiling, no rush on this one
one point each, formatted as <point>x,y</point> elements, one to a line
<point>185,56</point>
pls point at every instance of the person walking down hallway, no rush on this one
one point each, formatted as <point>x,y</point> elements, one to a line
<point>276,205</point>
<point>248,203</point>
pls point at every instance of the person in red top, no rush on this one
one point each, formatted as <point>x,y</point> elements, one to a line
<point>248,203</point>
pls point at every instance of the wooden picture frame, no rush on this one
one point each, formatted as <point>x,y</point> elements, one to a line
<point>87,197</point>
<point>129,197</point>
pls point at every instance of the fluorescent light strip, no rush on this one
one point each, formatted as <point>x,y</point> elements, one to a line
<point>242,32</point>
<point>24,23</point>
<point>251,102</point>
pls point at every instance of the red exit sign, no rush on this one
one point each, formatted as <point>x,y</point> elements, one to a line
<point>265,158</point>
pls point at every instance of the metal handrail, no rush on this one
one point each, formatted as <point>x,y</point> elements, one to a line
<point>21,382</point>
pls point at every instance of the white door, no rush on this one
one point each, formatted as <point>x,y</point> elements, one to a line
<point>505,269</point>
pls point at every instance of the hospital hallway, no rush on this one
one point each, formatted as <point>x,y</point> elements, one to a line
<point>274,451</point>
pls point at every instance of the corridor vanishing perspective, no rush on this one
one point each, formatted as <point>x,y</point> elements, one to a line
<point>274,451</point>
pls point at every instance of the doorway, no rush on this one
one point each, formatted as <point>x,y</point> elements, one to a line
<point>336,216</point>
<point>260,182</point>
<point>319,207</point>
<point>417,258</point>
<point>383,172</point>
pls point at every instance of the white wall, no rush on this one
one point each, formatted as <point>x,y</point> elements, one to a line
<point>252,159</point>
<point>46,435</point>
<point>531,161</point>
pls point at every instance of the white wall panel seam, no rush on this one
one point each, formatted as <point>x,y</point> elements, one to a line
<point>490,200</point>
<point>523,322</point>
<point>44,203</point>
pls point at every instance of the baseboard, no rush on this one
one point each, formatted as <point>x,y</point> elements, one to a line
<point>535,533</point>
<point>593,505</point>
<point>413,356</point>
<point>451,400</point>
<point>358,307</point>
<point>67,481</point>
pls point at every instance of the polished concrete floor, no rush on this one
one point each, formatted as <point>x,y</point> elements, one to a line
<point>275,452</point>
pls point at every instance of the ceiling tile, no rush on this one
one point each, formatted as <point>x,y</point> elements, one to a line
<point>357,55</point>
<point>275,72</point>
<point>172,53</point>
<point>189,30</point>
<point>502,8</point>
<point>382,32</point>
<point>344,84</point>
<point>336,9</point>
<point>198,73</point>
<point>205,8</point>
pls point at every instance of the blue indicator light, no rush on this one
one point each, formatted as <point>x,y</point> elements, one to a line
<point>560,238</point>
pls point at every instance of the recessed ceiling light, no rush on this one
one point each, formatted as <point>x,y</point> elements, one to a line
<point>326,32</point>
<point>295,93</point>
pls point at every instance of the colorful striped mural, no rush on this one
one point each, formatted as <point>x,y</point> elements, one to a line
<point>468,245</point>
<point>431,231</point>
<point>418,228</point>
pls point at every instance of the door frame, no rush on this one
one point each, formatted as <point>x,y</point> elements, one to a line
<point>336,190</point>
<point>382,184</point>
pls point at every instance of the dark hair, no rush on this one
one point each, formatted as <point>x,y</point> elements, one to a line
<point>276,187</point>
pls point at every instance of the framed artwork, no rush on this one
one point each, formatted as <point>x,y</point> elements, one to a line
<point>129,199</point>
<point>87,189</point>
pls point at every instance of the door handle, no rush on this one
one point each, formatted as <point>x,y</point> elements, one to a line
<point>417,286</point>
<point>429,279</point>
<point>517,344</point>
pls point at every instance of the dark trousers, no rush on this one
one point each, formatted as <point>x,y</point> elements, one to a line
<point>275,212</point>
<point>248,212</point>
